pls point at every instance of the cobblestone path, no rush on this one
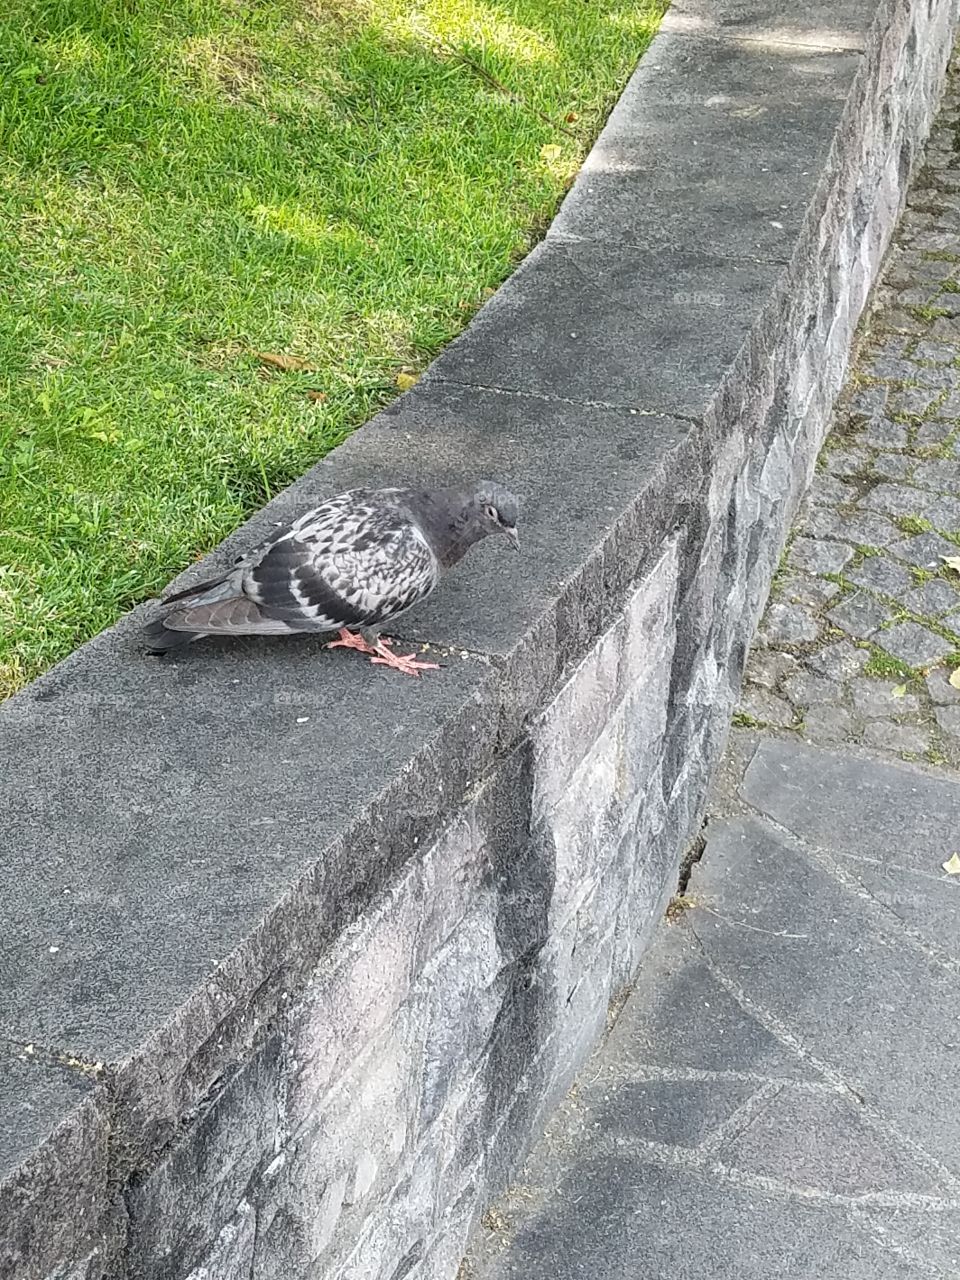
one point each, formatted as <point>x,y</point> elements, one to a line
<point>862,631</point>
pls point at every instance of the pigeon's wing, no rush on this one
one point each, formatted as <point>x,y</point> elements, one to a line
<point>355,561</point>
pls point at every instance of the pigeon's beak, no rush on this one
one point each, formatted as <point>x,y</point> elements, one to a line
<point>513,538</point>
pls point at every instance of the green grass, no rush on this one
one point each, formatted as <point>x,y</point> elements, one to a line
<point>743,720</point>
<point>927,312</point>
<point>886,666</point>
<point>185,183</point>
<point>912,525</point>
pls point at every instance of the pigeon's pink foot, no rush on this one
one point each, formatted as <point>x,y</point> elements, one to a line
<point>381,654</point>
<point>406,663</point>
<point>350,640</point>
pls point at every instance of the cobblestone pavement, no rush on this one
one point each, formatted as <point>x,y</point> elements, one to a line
<point>862,631</point>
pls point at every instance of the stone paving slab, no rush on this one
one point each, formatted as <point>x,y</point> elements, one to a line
<point>775,1097</point>
<point>826,24</point>
<point>852,986</point>
<point>749,130</point>
<point>670,304</point>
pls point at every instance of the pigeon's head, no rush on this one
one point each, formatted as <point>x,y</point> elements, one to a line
<point>495,509</point>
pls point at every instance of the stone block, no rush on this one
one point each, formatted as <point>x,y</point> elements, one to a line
<point>941,691</point>
<point>879,574</point>
<point>828,490</point>
<point>859,615</point>
<point>848,461</point>
<point>904,739</point>
<point>749,134</point>
<point>898,500</point>
<point>932,599</point>
<point>948,718</point>
<point>368,975</point>
<point>340,1159</point>
<point>56,1208</point>
<point>883,698</point>
<point>893,466</point>
<point>180,1208</point>
<point>805,589</point>
<point>805,689</point>
<point>864,528</point>
<point>940,475</point>
<point>915,645</point>
<point>766,708</point>
<point>626,654</point>
<point>819,557</point>
<point>767,669</point>
<point>823,723</point>
<point>668,305</point>
<point>788,624</point>
<point>232,1255</point>
<point>924,550</point>
<point>880,433</point>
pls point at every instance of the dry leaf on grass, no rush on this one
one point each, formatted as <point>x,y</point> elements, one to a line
<point>952,562</point>
<point>277,360</point>
<point>317,397</point>
<point>550,152</point>
<point>952,865</point>
<point>406,380</point>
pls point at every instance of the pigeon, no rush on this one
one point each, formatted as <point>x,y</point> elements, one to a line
<point>349,566</point>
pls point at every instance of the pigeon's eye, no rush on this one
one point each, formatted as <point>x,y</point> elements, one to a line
<point>492,513</point>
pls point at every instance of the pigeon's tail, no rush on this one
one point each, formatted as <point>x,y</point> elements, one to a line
<point>160,639</point>
<point>210,609</point>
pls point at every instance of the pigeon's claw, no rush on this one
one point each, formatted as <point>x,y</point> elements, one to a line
<point>351,640</point>
<point>381,653</point>
<point>405,662</point>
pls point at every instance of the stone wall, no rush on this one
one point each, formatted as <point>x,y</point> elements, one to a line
<point>299,956</point>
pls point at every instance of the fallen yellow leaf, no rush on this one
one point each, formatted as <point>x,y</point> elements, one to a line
<point>898,690</point>
<point>952,865</point>
<point>277,360</point>
<point>955,679</point>
<point>550,152</point>
<point>952,562</point>
<point>406,380</point>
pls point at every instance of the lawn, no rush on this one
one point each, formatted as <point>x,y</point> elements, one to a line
<point>189,185</point>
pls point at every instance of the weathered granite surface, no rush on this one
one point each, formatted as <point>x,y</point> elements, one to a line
<point>304,954</point>
<point>771,1098</point>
